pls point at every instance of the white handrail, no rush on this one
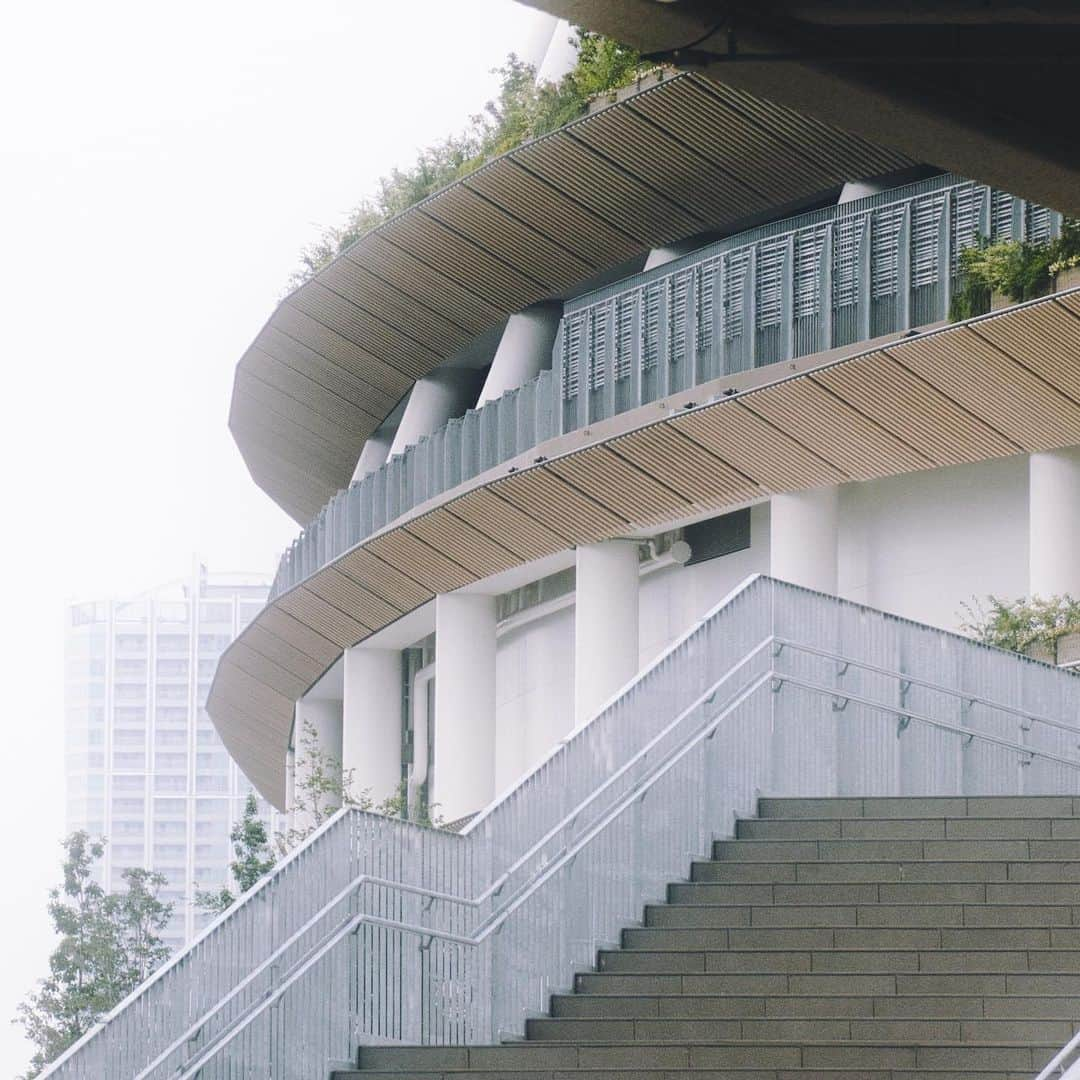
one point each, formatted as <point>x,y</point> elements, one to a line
<point>496,918</point>
<point>486,929</point>
<point>610,761</point>
<point>941,725</point>
<point>927,685</point>
<point>1063,1061</point>
<point>244,899</point>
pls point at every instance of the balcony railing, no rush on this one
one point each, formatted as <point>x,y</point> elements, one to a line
<point>825,279</point>
<point>381,931</point>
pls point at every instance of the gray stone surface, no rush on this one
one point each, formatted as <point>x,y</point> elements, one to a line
<point>848,939</point>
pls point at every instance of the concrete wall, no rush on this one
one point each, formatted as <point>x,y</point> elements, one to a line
<point>923,545</point>
<point>920,546</point>
<point>534,693</point>
<point>674,598</point>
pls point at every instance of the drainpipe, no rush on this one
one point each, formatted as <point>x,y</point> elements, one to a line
<point>418,770</point>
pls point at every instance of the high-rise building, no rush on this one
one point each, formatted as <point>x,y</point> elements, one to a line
<point>145,767</point>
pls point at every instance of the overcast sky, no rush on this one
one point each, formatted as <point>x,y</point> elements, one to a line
<point>160,168</point>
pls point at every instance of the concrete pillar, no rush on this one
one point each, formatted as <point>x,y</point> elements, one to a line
<point>1054,523</point>
<point>463,757</point>
<point>433,400</point>
<point>371,720</point>
<point>804,534</point>
<point>322,718</point>
<point>860,189</point>
<point>659,256</point>
<point>605,623</point>
<point>524,350</point>
<point>560,56</point>
<point>375,452</point>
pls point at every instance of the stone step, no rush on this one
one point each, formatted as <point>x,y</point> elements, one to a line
<point>871,892</point>
<point>873,913</point>
<point>838,962</point>
<point>843,938</point>
<point>894,850</point>
<point>846,939</point>
<point>839,1029</point>
<point>927,1073</point>
<point>816,871</point>
<point>508,1060</point>
<point>690,1007</point>
<point>948,828</point>
<point>929,806</point>
<point>813,984</point>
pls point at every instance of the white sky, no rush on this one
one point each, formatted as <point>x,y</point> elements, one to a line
<point>160,168</point>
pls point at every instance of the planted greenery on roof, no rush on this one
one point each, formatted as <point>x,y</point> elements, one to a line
<point>523,110</point>
<point>1017,269</point>
<point>1018,625</point>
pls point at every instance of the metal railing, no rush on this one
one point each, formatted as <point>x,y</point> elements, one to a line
<point>1065,1064</point>
<point>828,278</point>
<point>378,930</point>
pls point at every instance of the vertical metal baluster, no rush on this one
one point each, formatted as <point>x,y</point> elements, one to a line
<point>825,302</point>
<point>903,270</point>
<point>750,301</point>
<point>787,301</point>
<point>609,360</point>
<point>945,247</point>
<point>864,293</point>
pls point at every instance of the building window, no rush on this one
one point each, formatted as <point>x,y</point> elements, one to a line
<point>723,535</point>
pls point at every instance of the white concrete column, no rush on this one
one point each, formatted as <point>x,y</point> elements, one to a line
<point>860,189</point>
<point>432,401</point>
<point>560,56</point>
<point>1054,523</point>
<point>371,720</point>
<point>375,452</point>
<point>804,535</point>
<point>463,757</point>
<point>659,256</point>
<point>524,350</point>
<point>605,623</point>
<point>323,717</point>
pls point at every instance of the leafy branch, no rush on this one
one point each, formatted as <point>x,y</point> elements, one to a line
<point>524,109</point>
<point>1019,625</point>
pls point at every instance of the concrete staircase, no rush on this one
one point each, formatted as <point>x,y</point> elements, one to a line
<point>863,939</point>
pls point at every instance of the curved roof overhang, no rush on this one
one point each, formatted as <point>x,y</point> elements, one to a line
<point>999,385</point>
<point>973,88</point>
<point>682,156</point>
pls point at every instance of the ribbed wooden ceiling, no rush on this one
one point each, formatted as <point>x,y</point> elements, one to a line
<point>1000,385</point>
<point>681,157</point>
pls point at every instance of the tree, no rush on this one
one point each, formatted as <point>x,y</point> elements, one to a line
<point>1018,625</point>
<point>322,786</point>
<point>253,858</point>
<point>108,945</point>
<point>523,110</point>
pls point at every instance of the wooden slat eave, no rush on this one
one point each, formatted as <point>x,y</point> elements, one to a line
<point>671,160</point>
<point>894,409</point>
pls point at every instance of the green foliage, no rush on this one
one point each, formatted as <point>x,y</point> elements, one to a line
<point>1018,625</point>
<point>397,805</point>
<point>322,786</point>
<point>108,945</point>
<point>1015,268</point>
<point>523,110</point>
<point>253,858</point>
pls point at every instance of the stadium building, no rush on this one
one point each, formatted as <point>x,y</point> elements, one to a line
<point>642,478</point>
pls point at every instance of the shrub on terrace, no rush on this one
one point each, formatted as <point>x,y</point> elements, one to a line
<point>523,110</point>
